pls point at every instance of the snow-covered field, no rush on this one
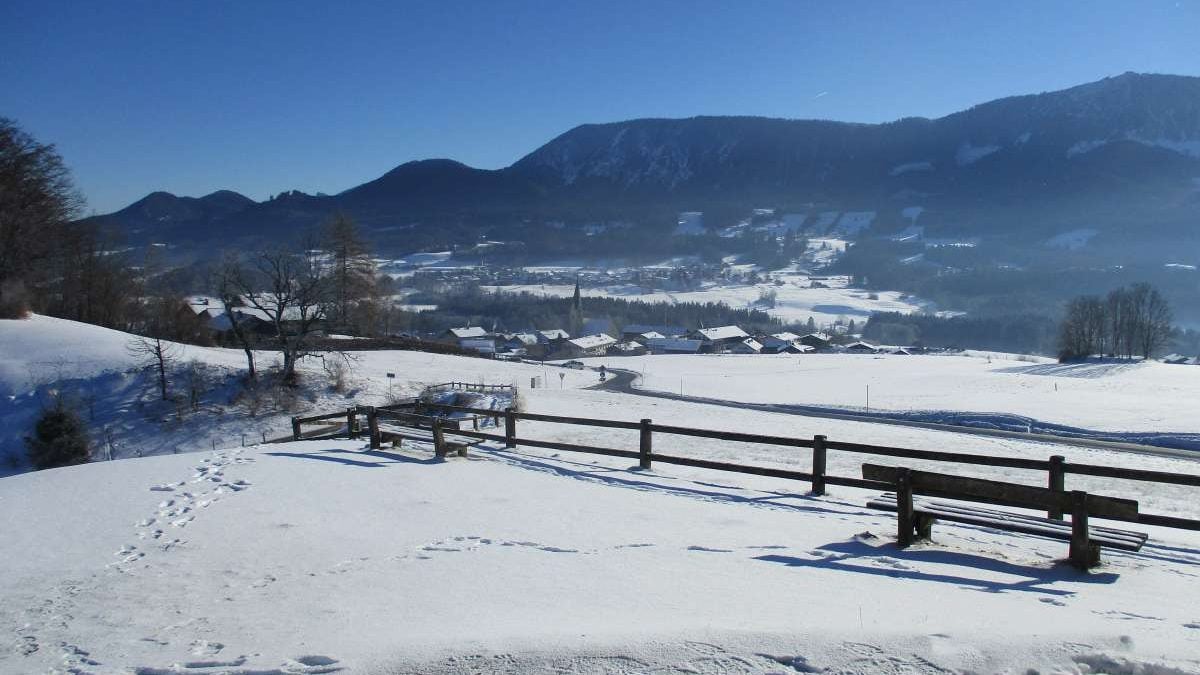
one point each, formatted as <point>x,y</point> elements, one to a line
<point>325,556</point>
<point>796,299</point>
<point>1103,396</point>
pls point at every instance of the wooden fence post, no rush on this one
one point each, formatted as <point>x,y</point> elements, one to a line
<point>818,471</point>
<point>1057,483</point>
<point>510,428</point>
<point>373,427</point>
<point>904,509</point>
<point>644,447</point>
<point>295,428</point>
<point>350,414</point>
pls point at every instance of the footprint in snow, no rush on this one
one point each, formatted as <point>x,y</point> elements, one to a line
<point>706,549</point>
<point>267,580</point>
<point>205,648</point>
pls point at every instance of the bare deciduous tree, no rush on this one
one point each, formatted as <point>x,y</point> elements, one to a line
<point>1127,322</point>
<point>224,284</point>
<point>155,353</point>
<point>293,293</point>
<point>37,203</point>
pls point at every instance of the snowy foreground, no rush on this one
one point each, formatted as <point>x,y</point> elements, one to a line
<point>311,557</point>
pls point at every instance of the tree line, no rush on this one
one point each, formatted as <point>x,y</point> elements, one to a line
<point>1129,321</point>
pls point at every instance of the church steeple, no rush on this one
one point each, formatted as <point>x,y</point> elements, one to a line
<point>576,317</point>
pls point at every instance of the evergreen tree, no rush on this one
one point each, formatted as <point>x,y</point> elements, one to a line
<point>59,438</point>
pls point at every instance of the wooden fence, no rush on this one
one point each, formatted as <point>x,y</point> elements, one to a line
<point>1055,468</point>
<point>469,386</point>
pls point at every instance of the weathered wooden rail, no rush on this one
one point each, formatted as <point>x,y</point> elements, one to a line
<point>409,417</point>
<point>414,413</point>
<point>1056,468</point>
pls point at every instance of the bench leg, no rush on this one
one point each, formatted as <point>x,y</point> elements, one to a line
<point>1084,554</point>
<point>924,526</point>
<point>904,511</point>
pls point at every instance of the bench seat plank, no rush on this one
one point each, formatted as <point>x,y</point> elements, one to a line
<point>887,501</point>
<point>1104,536</point>
<point>426,435</point>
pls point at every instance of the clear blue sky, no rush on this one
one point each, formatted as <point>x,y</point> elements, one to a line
<point>261,96</point>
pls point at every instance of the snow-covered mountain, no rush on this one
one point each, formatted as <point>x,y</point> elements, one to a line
<point>1121,156</point>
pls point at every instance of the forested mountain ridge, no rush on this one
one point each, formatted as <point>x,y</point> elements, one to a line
<point>1120,157</point>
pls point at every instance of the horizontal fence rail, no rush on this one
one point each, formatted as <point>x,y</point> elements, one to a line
<point>415,413</point>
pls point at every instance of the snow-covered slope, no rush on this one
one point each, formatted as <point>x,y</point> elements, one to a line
<point>92,368</point>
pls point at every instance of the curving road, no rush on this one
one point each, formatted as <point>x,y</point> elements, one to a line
<point>622,381</point>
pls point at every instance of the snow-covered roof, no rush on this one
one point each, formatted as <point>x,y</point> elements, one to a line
<point>468,332</point>
<point>593,341</point>
<point>630,346</point>
<point>861,345</point>
<point>817,336</point>
<point>643,328</point>
<point>650,335</point>
<point>674,344</point>
<point>752,344</point>
<point>554,334</point>
<point>786,337</point>
<point>524,338</point>
<point>723,333</point>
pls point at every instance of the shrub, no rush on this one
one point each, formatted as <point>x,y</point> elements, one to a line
<point>59,438</point>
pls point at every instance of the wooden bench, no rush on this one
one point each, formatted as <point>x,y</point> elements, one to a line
<point>915,517</point>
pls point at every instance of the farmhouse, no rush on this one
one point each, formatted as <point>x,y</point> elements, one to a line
<point>861,347</point>
<point>520,343</point>
<point>747,346</point>
<point>779,343</point>
<point>821,342</point>
<point>673,346</point>
<point>636,330</point>
<point>628,348</point>
<point>483,345</point>
<point>589,345</point>
<point>454,335</point>
<point>719,339</point>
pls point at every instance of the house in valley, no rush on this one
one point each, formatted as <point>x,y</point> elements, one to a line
<point>861,347</point>
<point>587,345</point>
<point>720,339</point>
<point>674,346</point>
<point>747,346</point>
<point>820,342</point>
